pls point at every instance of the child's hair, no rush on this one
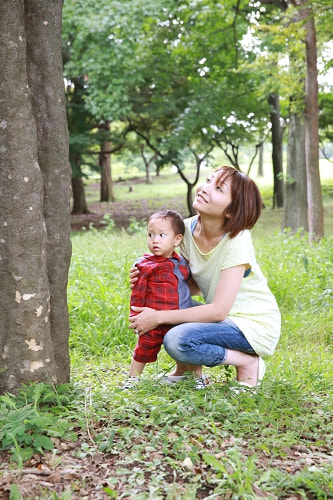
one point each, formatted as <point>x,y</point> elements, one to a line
<point>175,218</point>
<point>245,207</point>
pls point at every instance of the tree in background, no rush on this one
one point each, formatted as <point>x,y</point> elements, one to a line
<point>193,90</point>
<point>80,124</point>
<point>292,33</point>
<point>179,75</point>
<point>277,149</point>
<point>35,194</point>
<point>166,70</point>
<point>98,41</point>
<point>315,202</point>
<point>326,122</point>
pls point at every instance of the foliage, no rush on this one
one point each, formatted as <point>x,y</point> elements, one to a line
<point>276,50</point>
<point>30,419</point>
<point>172,78</point>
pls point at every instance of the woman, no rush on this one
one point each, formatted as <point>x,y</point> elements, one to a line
<point>240,320</point>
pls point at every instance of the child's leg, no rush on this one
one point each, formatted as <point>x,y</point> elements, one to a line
<point>136,368</point>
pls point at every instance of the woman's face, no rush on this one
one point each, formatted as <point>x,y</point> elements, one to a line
<point>213,197</point>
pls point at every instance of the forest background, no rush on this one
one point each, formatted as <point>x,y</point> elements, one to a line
<point>193,85</point>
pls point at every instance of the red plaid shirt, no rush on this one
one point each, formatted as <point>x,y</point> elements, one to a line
<point>158,286</point>
<point>161,285</point>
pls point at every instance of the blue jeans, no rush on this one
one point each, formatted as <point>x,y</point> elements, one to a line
<point>205,343</point>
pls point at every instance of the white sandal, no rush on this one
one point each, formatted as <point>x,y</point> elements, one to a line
<point>171,379</point>
<point>252,388</point>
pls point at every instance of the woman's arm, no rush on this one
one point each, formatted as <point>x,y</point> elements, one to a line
<point>225,295</point>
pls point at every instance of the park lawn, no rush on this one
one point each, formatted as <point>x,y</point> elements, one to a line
<point>96,441</point>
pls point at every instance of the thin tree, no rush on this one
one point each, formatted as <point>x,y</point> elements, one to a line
<point>304,12</point>
<point>315,202</point>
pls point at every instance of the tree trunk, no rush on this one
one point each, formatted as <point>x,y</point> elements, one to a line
<point>105,166</point>
<point>315,202</point>
<point>147,163</point>
<point>274,102</point>
<point>261,160</point>
<point>35,245</point>
<point>79,197</point>
<point>295,213</point>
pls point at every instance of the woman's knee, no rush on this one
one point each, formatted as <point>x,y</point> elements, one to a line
<point>170,342</point>
<point>175,339</point>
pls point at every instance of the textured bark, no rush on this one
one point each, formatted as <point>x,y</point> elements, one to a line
<point>105,166</point>
<point>276,150</point>
<point>315,202</point>
<point>35,193</point>
<point>296,208</point>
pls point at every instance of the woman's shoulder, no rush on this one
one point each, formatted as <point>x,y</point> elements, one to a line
<point>190,222</point>
<point>242,242</point>
<point>244,236</point>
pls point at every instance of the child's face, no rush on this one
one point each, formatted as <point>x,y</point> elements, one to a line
<point>161,237</point>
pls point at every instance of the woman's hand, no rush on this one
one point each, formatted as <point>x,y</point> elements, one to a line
<point>144,321</point>
<point>134,273</point>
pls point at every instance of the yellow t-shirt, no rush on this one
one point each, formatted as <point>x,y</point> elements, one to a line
<point>255,310</point>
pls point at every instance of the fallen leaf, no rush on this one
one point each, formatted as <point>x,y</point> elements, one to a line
<point>261,493</point>
<point>188,463</point>
<point>55,477</point>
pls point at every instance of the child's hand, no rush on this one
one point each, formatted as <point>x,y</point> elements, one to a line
<point>134,273</point>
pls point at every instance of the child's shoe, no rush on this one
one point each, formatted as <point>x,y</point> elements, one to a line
<point>131,382</point>
<point>200,382</point>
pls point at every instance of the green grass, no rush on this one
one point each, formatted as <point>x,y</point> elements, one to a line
<point>214,443</point>
<point>173,442</point>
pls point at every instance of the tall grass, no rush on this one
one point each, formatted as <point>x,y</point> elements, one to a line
<point>299,274</point>
<point>236,447</point>
<point>99,290</point>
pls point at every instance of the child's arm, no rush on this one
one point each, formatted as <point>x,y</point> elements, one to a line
<point>138,293</point>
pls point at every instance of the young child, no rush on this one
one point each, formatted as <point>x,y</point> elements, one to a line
<point>162,284</point>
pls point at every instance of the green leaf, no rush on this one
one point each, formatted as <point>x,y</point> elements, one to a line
<point>213,462</point>
<point>41,442</point>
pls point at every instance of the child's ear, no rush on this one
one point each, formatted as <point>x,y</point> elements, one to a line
<point>178,239</point>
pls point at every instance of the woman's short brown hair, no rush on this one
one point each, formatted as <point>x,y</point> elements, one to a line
<point>245,207</point>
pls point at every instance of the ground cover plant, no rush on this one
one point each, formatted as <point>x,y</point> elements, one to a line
<point>90,439</point>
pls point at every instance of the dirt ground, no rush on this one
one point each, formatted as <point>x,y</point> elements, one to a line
<point>85,478</point>
<point>122,213</point>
